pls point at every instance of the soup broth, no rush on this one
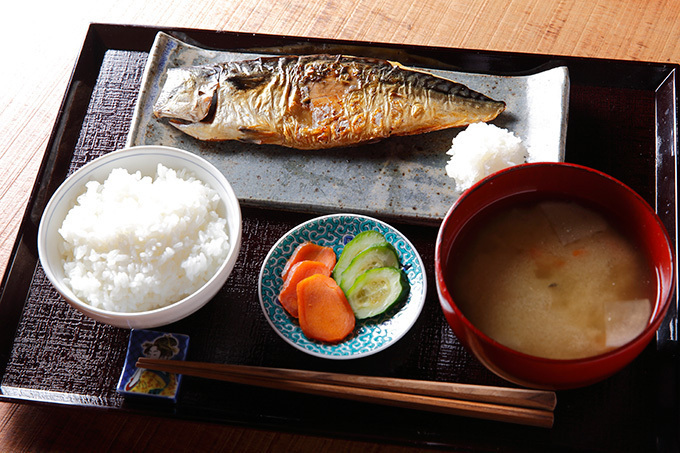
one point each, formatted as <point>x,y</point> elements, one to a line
<point>552,278</point>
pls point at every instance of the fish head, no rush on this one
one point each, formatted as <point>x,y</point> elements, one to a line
<point>188,94</point>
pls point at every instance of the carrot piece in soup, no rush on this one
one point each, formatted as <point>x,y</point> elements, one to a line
<point>325,314</point>
<point>308,251</point>
<point>299,271</point>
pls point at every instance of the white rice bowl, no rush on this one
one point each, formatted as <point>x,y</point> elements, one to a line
<point>141,237</point>
<point>136,243</point>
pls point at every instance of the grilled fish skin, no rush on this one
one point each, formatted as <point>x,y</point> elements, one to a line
<point>315,101</point>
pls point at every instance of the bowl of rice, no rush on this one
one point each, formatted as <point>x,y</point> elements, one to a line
<point>141,237</point>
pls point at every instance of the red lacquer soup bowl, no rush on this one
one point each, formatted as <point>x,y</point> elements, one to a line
<point>583,185</point>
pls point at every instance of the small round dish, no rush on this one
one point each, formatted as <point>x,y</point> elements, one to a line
<point>370,335</point>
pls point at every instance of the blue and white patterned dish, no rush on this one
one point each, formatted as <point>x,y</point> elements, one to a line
<point>370,335</point>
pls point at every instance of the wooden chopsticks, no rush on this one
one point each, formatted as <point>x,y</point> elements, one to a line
<point>512,405</point>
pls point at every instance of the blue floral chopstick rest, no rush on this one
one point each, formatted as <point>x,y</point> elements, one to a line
<point>150,383</point>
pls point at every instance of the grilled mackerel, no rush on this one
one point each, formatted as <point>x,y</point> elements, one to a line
<point>315,101</point>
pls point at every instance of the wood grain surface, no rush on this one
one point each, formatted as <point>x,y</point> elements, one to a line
<point>41,41</point>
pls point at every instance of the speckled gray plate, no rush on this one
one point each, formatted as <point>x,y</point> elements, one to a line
<point>399,178</point>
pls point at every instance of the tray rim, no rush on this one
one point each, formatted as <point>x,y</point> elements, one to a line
<point>94,45</point>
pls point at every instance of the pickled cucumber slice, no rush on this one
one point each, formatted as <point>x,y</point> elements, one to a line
<point>361,242</point>
<point>373,257</point>
<point>377,290</point>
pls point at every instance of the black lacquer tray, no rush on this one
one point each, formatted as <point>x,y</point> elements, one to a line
<point>622,120</point>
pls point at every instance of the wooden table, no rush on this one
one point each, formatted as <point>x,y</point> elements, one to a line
<point>40,46</point>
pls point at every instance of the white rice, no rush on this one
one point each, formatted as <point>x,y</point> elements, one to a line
<point>137,243</point>
<point>482,149</point>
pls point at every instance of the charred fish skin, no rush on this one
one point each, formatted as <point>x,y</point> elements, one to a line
<point>316,101</point>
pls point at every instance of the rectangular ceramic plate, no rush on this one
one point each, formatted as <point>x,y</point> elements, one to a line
<point>400,177</point>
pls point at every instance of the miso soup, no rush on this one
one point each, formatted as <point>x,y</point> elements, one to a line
<point>552,278</point>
